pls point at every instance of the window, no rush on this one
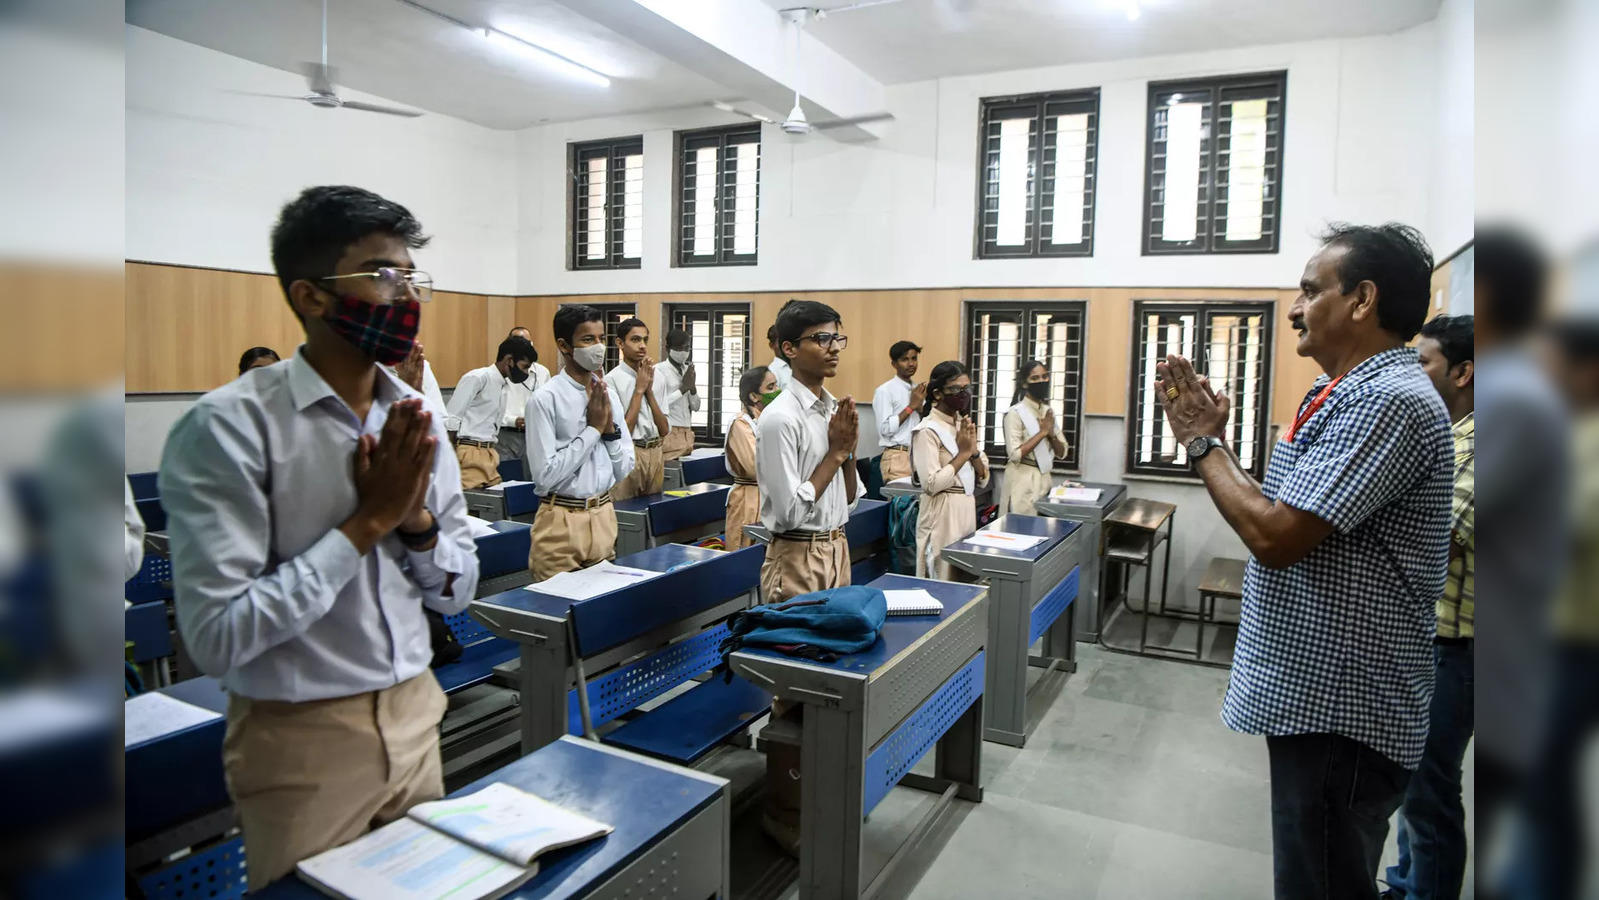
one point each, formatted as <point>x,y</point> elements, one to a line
<point>718,193</point>
<point>720,351</point>
<point>608,204</point>
<point>1213,181</point>
<point>615,314</point>
<point>1036,184</point>
<point>1004,334</point>
<point>1228,342</point>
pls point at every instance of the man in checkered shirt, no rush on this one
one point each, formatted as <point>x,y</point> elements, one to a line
<point>1349,537</point>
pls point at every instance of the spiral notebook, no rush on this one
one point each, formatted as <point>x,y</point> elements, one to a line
<point>916,602</point>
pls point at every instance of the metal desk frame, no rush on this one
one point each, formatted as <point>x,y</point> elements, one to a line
<point>1092,515</point>
<point>868,720</point>
<point>1031,595</point>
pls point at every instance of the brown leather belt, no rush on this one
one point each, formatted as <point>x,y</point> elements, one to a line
<point>897,447</point>
<point>1028,460</point>
<point>954,490</point>
<point>737,480</point>
<point>810,537</point>
<point>576,503</point>
<point>471,443</point>
<point>650,444</point>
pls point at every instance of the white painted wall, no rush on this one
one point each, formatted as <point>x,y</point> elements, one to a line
<point>899,213</point>
<point>208,170</point>
<point>1453,169</point>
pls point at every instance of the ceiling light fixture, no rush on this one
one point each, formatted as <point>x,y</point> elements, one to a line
<point>549,58</point>
<point>565,65</point>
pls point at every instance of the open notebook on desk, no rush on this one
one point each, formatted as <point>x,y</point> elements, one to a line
<point>479,846</point>
<point>916,602</point>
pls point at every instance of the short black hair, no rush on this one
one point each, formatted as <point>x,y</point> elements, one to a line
<point>677,339</point>
<point>798,315</point>
<point>1456,337</point>
<point>571,315</point>
<point>255,353</point>
<point>1397,260</point>
<point>942,373</point>
<point>314,229</point>
<point>626,325</point>
<point>517,349</point>
<point>750,383</point>
<point>1514,269</point>
<point>901,348</point>
<point>513,331</point>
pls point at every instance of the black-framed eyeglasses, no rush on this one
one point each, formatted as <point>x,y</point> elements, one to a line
<point>393,284</point>
<point>827,340</point>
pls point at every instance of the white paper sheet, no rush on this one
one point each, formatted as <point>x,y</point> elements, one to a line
<point>508,822</point>
<point>505,484</point>
<point>1004,540</point>
<point>480,527</point>
<point>593,581</point>
<point>904,482</point>
<point>155,714</point>
<point>703,452</point>
<point>406,860</point>
<point>1076,494</point>
<point>917,602</point>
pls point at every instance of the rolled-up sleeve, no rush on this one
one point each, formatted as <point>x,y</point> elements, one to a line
<point>447,573</point>
<point>777,458</point>
<point>233,603</point>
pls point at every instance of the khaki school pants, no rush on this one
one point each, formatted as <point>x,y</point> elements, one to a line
<point>566,539</point>
<point>480,466</point>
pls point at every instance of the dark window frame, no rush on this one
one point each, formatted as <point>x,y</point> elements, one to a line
<point>614,313</point>
<point>1040,180</point>
<point>615,150</point>
<point>1137,403</point>
<point>1213,198</point>
<point>709,381</point>
<point>684,211</point>
<point>1068,403</point>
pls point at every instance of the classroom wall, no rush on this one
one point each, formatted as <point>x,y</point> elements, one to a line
<point>899,212</point>
<point>1452,216</point>
<point>208,170</point>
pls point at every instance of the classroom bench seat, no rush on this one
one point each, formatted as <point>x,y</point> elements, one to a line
<point>693,723</point>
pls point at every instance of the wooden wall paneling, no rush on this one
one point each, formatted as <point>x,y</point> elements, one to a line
<point>187,327</point>
<point>500,318</point>
<point>65,329</point>
<point>1292,374</point>
<point>453,334</point>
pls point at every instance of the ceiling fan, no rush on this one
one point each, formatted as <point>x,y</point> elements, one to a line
<point>796,122</point>
<point>320,77</point>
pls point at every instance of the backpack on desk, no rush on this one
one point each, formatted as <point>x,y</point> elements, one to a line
<point>821,625</point>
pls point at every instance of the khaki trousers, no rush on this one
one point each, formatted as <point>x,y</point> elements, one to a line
<point>480,466</point>
<point>566,539</point>
<point>800,567</point>
<point>647,475</point>
<point>1024,486</point>
<point>743,508</point>
<point>895,464</point>
<point>679,442</point>
<point>306,777</point>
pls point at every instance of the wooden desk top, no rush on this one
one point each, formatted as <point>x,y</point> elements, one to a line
<point>1145,515</point>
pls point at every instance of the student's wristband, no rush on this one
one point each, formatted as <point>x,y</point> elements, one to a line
<point>418,540</point>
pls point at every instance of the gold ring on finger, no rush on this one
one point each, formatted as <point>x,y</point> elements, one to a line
<point>1171,393</point>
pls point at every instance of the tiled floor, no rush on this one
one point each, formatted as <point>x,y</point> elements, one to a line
<point>1129,786</point>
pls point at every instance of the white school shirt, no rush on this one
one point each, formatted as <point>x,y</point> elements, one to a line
<point>679,404</point>
<point>430,390</point>
<point>565,455</point>
<point>890,397</point>
<point>780,370</point>
<point>517,395</point>
<point>271,597</point>
<point>476,405</point>
<point>790,442</point>
<point>623,380</point>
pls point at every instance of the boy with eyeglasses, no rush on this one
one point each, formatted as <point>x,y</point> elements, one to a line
<point>312,519</point>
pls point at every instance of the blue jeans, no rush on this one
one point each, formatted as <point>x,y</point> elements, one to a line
<point>1432,821</point>
<point>1331,799</point>
<point>1550,861</point>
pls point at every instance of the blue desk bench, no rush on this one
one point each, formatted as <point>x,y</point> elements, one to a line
<point>652,519</point>
<point>502,558</point>
<point>517,502</point>
<point>631,646</point>
<point>672,827</point>
<point>869,717</point>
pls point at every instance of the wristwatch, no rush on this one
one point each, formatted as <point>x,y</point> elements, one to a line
<point>1199,446</point>
<point>611,435</point>
<point>416,540</point>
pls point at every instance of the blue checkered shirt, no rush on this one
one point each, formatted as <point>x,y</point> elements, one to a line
<point>1341,641</point>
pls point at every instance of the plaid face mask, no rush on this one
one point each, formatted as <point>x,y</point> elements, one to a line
<point>383,331</point>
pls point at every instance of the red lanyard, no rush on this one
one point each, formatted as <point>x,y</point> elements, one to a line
<point>1315,404</point>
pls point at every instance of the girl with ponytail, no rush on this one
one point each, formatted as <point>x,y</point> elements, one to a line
<point>949,464</point>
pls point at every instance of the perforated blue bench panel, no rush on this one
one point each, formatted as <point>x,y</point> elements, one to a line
<point>215,872</point>
<point>625,687</point>
<point>152,582</point>
<point>908,743</point>
<point>466,629</point>
<point>1053,604</point>
<point>688,726</point>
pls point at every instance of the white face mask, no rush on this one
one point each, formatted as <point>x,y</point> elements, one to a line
<point>591,357</point>
<point>678,356</point>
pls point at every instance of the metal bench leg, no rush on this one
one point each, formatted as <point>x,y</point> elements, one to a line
<point>1143,628</point>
